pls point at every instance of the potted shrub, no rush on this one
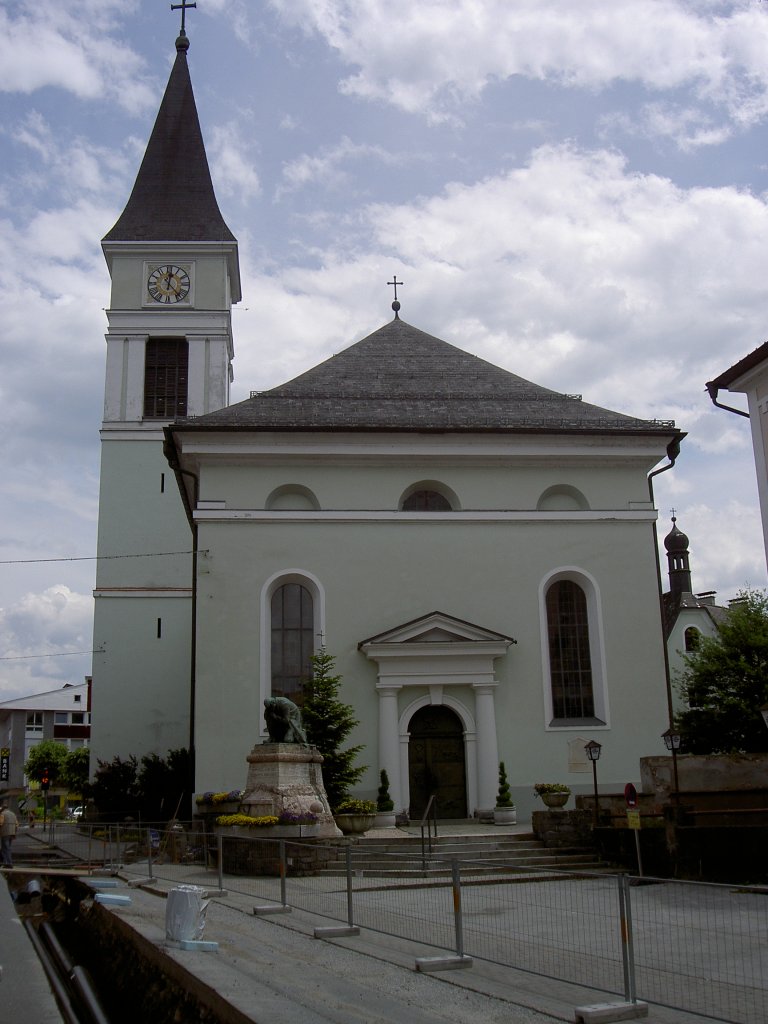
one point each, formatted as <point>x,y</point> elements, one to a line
<point>553,794</point>
<point>355,816</point>
<point>385,805</point>
<point>505,812</point>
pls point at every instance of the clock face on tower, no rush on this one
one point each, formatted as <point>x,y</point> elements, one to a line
<point>168,283</point>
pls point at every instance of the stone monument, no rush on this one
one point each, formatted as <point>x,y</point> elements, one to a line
<point>284,773</point>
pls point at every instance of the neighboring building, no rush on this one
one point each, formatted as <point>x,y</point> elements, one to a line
<point>475,550</point>
<point>750,377</point>
<point>687,616</point>
<point>62,715</point>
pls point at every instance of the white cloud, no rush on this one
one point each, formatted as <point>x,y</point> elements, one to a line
<point>232,164</point>
<point>326,167</point>
<point>73,46</point>
<point>424,57</point>
<point>41,640</point>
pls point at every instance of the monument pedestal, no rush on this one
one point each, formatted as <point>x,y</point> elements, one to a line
<point>286,778</point>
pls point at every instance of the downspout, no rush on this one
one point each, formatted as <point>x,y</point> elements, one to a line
<point>713,390</point>
<point>673,450</point>
<point>171,454</point>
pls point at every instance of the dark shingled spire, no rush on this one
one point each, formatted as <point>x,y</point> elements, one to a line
<point>173,197</point>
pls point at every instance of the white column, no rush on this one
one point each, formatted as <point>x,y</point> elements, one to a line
<point>487,746</point>
<point>389,741</point>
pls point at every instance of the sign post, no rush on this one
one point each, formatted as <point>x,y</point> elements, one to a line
<point>633,821</point>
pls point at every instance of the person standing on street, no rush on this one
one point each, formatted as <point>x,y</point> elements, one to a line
<point>8,826</point>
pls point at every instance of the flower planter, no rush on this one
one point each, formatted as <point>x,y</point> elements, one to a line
<point>354,824</point>
<point>225,807</point>
<point>384,819</point>
<point>505,816</point>
<point>555,800</point>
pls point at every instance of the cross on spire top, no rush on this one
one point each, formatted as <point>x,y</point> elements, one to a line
<point>395,305</point>
<point>183,8</point>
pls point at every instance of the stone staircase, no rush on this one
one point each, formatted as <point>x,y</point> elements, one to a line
<point>519,854</point>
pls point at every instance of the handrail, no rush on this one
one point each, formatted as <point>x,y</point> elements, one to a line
<point>428,822</point>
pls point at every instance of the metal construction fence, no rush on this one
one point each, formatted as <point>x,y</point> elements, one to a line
<point>697,947</point>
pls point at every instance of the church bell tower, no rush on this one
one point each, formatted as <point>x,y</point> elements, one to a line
<point>175,274</point>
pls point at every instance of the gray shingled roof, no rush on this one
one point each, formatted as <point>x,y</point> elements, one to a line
<point>400,378</point>
<point>173,197</point>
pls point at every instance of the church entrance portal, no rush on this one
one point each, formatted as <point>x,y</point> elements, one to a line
<point>436,762</point>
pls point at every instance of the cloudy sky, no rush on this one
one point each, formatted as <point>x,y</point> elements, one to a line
<point>575,190</point>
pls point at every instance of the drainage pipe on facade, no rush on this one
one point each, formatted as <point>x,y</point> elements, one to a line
<point>171,454</point>
<point>673,450</point>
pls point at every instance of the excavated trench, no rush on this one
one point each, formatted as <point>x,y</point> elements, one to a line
<point>101,971</point>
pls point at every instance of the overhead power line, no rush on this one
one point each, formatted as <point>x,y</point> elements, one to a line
<point>94,558</point>
<point>62,654</point>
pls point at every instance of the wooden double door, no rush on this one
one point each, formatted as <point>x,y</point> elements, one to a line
<point>436,762</point>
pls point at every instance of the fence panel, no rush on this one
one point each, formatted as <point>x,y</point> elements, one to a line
<point>702,947</point>
<point>561,926</point>
<point>697,947</point>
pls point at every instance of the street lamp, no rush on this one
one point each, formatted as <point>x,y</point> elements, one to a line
<point>672,743</point>
<point>593,749</point>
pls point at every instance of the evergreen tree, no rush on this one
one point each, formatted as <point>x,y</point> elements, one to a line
<point>725,683</point>
<point>328,722</point>
<point>503,797</point>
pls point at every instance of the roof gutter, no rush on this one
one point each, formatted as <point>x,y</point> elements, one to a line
<point>713,390</point>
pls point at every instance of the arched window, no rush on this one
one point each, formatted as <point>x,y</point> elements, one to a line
<point>292,640</point>
<point>426,501</point>
<point>692,639</point>
<point>570,661</point>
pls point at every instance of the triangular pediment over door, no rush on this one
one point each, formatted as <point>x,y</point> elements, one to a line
<point>436,649</point>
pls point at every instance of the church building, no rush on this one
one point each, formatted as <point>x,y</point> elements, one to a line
<point>477,552</point>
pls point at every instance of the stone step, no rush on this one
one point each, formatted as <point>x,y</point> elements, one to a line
<point>568,859</point>
<point>552,868</point>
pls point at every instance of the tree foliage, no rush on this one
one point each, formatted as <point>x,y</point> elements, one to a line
<point>328,722</point>
<point>725,683</point>
<point>115,789</point>
<point>74,773</point>
<point>153,789</point>
<point>46,754</point>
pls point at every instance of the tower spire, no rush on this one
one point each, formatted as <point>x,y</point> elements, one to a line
<point>173,197</point>
<point>678,561</point>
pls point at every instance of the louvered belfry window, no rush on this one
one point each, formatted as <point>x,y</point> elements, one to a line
<point>166,378</point>
<point>569,656</point>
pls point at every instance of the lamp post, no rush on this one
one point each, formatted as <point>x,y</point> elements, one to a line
<point>593,749</point>
<point>672,743</point>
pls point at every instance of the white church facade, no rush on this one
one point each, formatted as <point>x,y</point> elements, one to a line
<point>477,552</point>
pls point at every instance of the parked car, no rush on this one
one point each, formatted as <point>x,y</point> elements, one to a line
<point>77,812</point>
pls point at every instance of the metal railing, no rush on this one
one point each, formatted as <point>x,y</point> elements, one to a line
<point>691,946</point>
<point>428,822</point>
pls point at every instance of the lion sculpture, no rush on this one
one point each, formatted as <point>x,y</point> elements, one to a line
<point>283,720</point>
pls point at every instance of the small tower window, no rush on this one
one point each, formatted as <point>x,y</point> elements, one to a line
<point>426,501</point>
<point>692,639</point>
<point>166,377</point>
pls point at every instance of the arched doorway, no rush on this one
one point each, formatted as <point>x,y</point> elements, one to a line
<point>436,762</point>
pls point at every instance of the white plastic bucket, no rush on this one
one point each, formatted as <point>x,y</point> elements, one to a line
<point>185,913</point>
